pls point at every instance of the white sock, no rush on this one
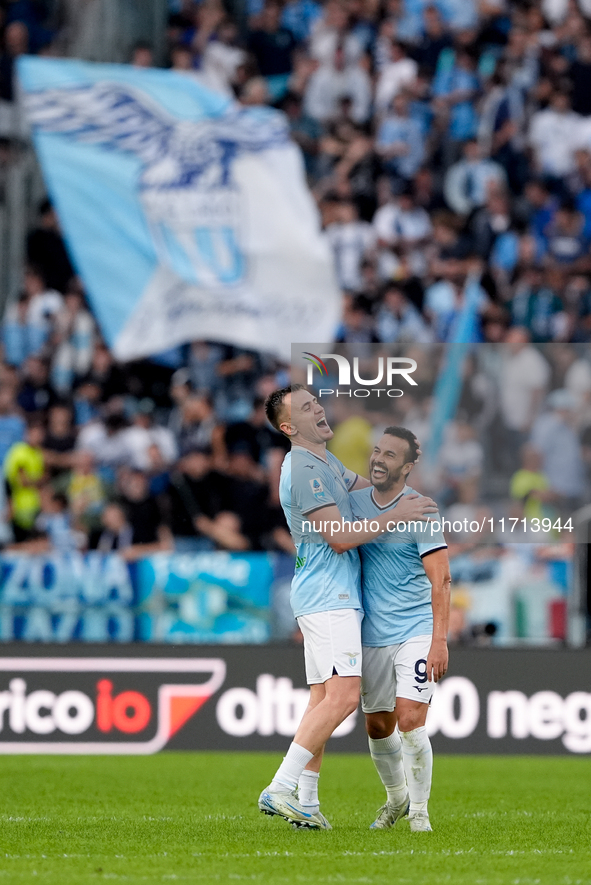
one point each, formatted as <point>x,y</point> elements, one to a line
<point>387,758</point>
<point>288,773</point>
<point>308,790</point>
<point>418,764</point>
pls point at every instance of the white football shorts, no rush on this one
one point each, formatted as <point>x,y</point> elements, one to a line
<point>395,671</point>
<point>332,644</point>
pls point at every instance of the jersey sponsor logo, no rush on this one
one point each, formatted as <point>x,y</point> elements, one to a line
<point>300,562</point>
<point>421,687</point>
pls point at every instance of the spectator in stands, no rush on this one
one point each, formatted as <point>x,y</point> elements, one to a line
<point>142,55</point>
<point>74,335</point>
<point>85,490</point>
<point>455,89</point>
<point>54,525</point>
<point>12,425</point>
<point>42,306</point>
<point>46,249</point>
<point>400,142</point>
<point>399,73</point>
<point>403,229</point>
<point>334,81</point>
<point>530,486</point>
<point>144,434</point>
<point>200,427</point>
<point>524,380</point>
<point>149,533</point>
<point>461,458</point>
<point>567,238</point>
<point>16,43</point>
<point>554,437</point>
<point>60,438</point>
<point>36,393</point>
<point>222,58</point>
<point>536,307</point>
<point>467,182</point>
<point>24,469</point>
<point>399,320</point>
<point>351,241</point>
<point>246,494</point>
<point>105,374</point>
<point>554,137</point>
<point>195,491</point>
<point>272,46</point>
<point>357,326</point>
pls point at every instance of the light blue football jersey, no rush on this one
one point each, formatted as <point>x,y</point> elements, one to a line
<point>323,580</point>
<point>396,592</point>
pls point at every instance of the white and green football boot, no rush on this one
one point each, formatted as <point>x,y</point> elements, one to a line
<point>287,806</point>
<point>389,814</point>
<point>419,822</point>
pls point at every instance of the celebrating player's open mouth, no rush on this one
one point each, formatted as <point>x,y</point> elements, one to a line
<point>323,425</point>
<point>379,474</point>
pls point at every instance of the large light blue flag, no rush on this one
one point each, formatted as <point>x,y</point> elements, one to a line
<point>187,215</point>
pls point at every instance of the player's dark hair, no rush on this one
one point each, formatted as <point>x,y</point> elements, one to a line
<point>409,438</point>
<point>274,403</point>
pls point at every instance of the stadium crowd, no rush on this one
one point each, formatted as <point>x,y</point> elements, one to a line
<point>448,145</point>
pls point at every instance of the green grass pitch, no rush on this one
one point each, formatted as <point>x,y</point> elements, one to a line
<point>192,817</point>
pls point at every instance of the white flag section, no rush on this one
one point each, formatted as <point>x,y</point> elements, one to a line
<point>188,216</point>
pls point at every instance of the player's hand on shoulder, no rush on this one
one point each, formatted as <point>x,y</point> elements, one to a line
<point>437,660</point>
<point>412,507</point>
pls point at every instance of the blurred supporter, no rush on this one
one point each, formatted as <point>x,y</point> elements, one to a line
<point>24,469</point>
<point>223,58</point>
<point>399,72</point>
<point>536,307</point>
<point>350,239</point>
<point>245,497</point>
<point>335,81</point>
<point>467,183</point>
<point>60,438</point>
<point>200,426</point>
<point>74,333</point>
<point>461,457</point>
<point>399,320</point>
<point>12,425</point>
<point>54,523</point>
<point>116,533</point>
<point>142,55</point>
<point>144,436</point>
<point>46,249</point>
<point>104,374</point>
<point>15,44</point>
<point>554,136</point>
<point>530,486</point>
<point>400,141</point>
<point>36,393</point>
<point>195,490</point>
<point>554,437</point>
<point>144,515</point>
<point>525,379</point>
<point>85,490</point>
<point>272,46</point>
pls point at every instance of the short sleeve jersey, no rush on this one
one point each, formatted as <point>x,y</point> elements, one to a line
<point>396,592</point>
<point>323,580</point>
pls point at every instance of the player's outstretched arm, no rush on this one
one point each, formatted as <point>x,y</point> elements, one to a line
<point>436,567</point>
<point>341,536</point>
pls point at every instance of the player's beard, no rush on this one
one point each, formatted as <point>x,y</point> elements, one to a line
<point>389,479</point>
